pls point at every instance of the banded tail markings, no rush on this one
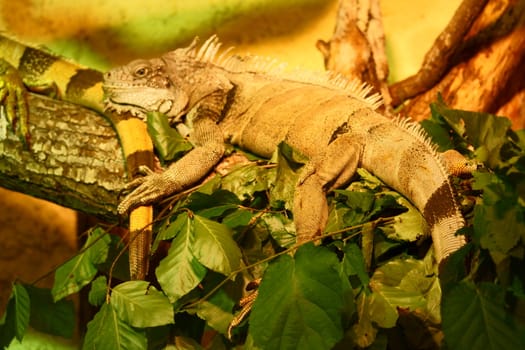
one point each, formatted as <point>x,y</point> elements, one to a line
<point>444,220</point>
<point>138,150</point>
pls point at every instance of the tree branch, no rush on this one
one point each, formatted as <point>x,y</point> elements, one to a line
<point>438,58</point>
<point>75,158</point>
<point>488,68</point>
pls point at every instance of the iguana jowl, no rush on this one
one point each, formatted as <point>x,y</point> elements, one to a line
<point>246,102</point>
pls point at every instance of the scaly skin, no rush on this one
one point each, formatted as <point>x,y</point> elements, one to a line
<point>24,67</point>
<point>13,97</point>
<point>239,101</point>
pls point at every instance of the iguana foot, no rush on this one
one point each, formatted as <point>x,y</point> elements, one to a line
<point>148,189</point>
<point>13,96</point>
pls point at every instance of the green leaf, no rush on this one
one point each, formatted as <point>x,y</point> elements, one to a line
<point>247,179</point>
<point>499,222</point>
<point>300,302</point>
<point>79,271</point>
<point>499,230</point>
<point>408,226</point>
<point>238,218</point>
<point>280,227</point>
<point>364,330</point>
<point>212,205</point>
<point>486,132</point>
<point>217,309</point>
<point>97,293</point>
<point>439,134</point>
<point>399,284</point>
<point>16,317</point>
<point>476,317</point>
<point>141,305</point>
<point>180,271</point>
<point>362,202</point>
<point>336,216</point>
<point>168,142</point>
<point>455,269</point>
<point>117,259</point>
<point>214,246</point>
<point>57,318</point>
<point>168,232</point>
<point>214,316</point>
<point>354,263</point>
<point>383,311</point>
<point>108,331</point>
<point>289,165</point>
<point>216,211</point>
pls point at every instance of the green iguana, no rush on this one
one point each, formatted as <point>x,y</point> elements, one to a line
<point>248,102</point>
<point>42,72</point>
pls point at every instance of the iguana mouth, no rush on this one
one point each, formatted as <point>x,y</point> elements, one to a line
<point>120,107</point>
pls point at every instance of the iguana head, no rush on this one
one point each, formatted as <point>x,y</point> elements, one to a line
<point>144,86</point>
<point>171,84</point>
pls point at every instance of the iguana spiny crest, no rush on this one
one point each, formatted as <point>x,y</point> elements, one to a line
<point>169,84</point>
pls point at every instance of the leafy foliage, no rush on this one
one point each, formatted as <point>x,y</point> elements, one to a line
<point>477,317</point>
<point>15,321</point>
<point>168,142</point>
<point>79,271</point>
<point>305,294</point>
<point>108,331</point>
<point>35,307</point>
<point>370,283</point>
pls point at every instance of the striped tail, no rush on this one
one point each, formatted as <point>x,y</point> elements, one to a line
<point>138,150</point>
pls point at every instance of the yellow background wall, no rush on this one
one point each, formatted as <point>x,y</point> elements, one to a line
<point>106,33</point>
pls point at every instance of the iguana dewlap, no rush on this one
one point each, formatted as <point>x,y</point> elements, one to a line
<point>246,102</point>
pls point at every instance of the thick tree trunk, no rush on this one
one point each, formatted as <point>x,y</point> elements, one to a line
<point>75,158</point>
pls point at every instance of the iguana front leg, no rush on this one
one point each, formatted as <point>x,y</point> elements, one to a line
<point>192,167</point>
<point>334,167</point>
<point>13,98</point>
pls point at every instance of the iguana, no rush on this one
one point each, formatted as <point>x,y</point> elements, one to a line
<point>248,102</point>
<point>42,72</point>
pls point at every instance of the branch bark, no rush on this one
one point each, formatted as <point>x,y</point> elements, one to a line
<point>476,63</point>
<point>357,47</point>
<point>487,72</point>
<point>75,158</point>
<point>438,59</point>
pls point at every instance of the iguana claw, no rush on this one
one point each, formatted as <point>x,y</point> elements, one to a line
<point>13,96</point>
<point>147,189</point>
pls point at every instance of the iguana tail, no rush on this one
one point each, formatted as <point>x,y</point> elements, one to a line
<point>402,156</point>
<point>53,75</point>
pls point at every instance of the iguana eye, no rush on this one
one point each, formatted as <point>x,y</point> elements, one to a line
<point>141,72</point>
